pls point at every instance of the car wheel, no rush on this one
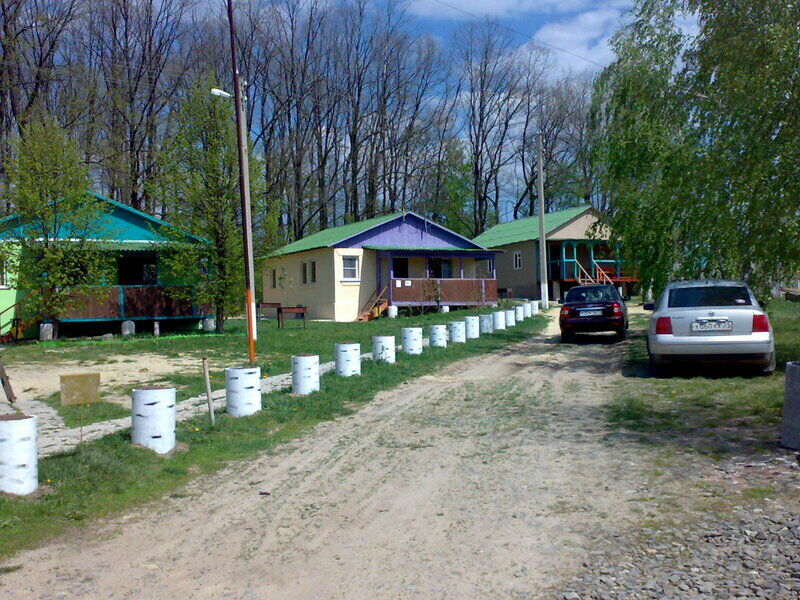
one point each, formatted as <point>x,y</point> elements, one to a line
<point>622,334</point>
<point>770,368</point>
<point>656,368</point>
<point>566,337</point>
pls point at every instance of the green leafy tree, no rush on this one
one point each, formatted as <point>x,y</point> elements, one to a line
<point>199,177</point>
<point>697,141</point>
<point>53,249</point>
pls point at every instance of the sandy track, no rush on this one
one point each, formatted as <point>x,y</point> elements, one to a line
<point>490,479</point>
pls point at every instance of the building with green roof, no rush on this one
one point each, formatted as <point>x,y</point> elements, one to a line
<point>356,271</point>
<point>140,290</point>
<point>577,253</point>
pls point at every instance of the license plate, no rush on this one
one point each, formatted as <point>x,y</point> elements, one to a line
<point>590,313</point>
<point>712,326</point>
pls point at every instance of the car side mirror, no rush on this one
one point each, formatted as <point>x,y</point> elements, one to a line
<point>649,306</point>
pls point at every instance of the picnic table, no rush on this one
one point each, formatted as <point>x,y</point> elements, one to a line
<point>291,310</point>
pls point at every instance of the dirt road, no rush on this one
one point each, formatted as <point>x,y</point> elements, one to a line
<point>491,479</point>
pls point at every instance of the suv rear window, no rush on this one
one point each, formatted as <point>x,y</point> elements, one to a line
<point>727,295</point>
<point>592,294</point>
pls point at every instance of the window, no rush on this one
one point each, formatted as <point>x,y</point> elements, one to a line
<point>400,268</point>
<point>313,271</point>
<point>602,293</point>
<point>719,295</point>
<point>274,278</point>
<point>304,272</point>
<point>517,260</point>
<point>137,269</point>
<point>350,267</point>
<point>440,268</point>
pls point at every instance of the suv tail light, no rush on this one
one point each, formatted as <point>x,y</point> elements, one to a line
<point>664,326</point>
<point>617,309</point>
<point>760,324</point>
<point>565,310</point>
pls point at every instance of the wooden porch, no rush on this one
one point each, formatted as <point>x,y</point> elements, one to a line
<point>136,302</point>
<point>443,292</point>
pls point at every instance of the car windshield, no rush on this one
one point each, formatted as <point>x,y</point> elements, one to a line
<point>593,294</point>
<point>727,295</point>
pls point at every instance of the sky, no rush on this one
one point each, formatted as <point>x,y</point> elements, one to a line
<point>581,27</point>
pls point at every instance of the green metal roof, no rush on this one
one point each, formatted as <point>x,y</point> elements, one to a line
<point>120,225</point>
<point>333,235</point>
<point>527,229</point>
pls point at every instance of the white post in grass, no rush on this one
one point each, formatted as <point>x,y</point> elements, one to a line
<point>305,374</point>
<point>528,309</point>
<point>486,323</point>
<point>19,467</point>
<point>499,320</point>
<point>243,391</point>
<point>519,313</point>
<point>348,359</point>
<point>412,340</point>
<point>457,331</point>
<point>438,336</point>
<point>510,318</point>
<point>153,418</point>
<point>383,348</point>
<point>472,327</point>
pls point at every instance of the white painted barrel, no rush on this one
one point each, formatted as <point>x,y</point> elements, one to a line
<point>391,312</point>
<point>128,328</point>
<point>383,348</point>
<point>444,309</point>
<point>499,320</point>
<point>535,307</point>
<point>305,374</point>
<point>519,313</point>
<point>526,306</point>
<point>243,391</point>
<point>438,335</point>
<point>486,323</point>
<point>457,331</point>
<point>472,327</point>
<point>19,466</point>
<point>153,418</point>
<point>510,317</point>
<point>348,359</point>
<point>412,340</point>
<point>209,325</point>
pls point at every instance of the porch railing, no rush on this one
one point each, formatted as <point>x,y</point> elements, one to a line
<point>443,291</point>
<point>120,302</point>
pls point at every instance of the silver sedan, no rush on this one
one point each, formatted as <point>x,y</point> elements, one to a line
<point>709,321</point>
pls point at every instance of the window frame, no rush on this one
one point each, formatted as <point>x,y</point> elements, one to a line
<point>356,268</point>
<point>517,260</point>
<point>313,272</point>
<point>304,272</point>
<point>274,278</point>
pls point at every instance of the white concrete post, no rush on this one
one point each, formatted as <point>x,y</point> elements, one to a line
<point>499,320</point>
<point>510,318</point>
<point>486,323</point>
<point>153,418</point>
<point>528,309</point>
<point>45,332</point>
<point>209,325</point>
<point>519,313</point>
<point>458,332</point>
<point>19,467</point>
<point>383,348</point>
<point>444,309</point>
<point>412,340</point>
<point>472,327</point>
<point>535,307</point>
<point>156,328</point>
<point>305,374</point>
<point>438,335</point>
<point>243,391</point>
<point>391,312</point>
<point>348,359</point>
<point>128,328</point>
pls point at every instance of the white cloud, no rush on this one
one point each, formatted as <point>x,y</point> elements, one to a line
<point>586,35</point>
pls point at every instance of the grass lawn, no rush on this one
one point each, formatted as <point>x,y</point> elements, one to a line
<point>716,412</point>
<point>108,475</point>
<point>274,347</point>
<point>76,415</point>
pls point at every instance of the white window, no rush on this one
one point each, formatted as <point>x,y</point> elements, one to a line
<point>517,260</point>
<point>350,268</point>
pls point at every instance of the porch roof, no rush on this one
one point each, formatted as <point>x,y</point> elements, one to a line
<point>433,250</point>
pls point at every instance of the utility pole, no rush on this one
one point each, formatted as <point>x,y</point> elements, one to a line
<point>545,296</point>
<point>244,191</point>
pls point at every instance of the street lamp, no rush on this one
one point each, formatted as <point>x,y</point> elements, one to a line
<point>220,93</point>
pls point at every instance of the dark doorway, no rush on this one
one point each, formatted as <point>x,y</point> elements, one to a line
<point>141,269</point>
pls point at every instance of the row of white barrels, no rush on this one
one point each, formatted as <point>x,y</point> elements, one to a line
<point>153,409</point>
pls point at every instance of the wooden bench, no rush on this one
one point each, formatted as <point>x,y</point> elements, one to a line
<point>291,310</point>
<point>262,305</point>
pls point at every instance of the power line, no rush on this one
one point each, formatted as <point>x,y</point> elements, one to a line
<point>517,32</point>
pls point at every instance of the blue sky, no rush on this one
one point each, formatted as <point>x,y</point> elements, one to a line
<point>580,26</point>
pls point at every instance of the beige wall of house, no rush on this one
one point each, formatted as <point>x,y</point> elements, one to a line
<point>329,292</point>
<point>577,229</point>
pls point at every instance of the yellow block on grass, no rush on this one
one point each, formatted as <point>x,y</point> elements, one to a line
<point>80,388</point>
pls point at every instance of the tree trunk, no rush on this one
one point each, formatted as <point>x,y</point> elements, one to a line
<point>220,319</point>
